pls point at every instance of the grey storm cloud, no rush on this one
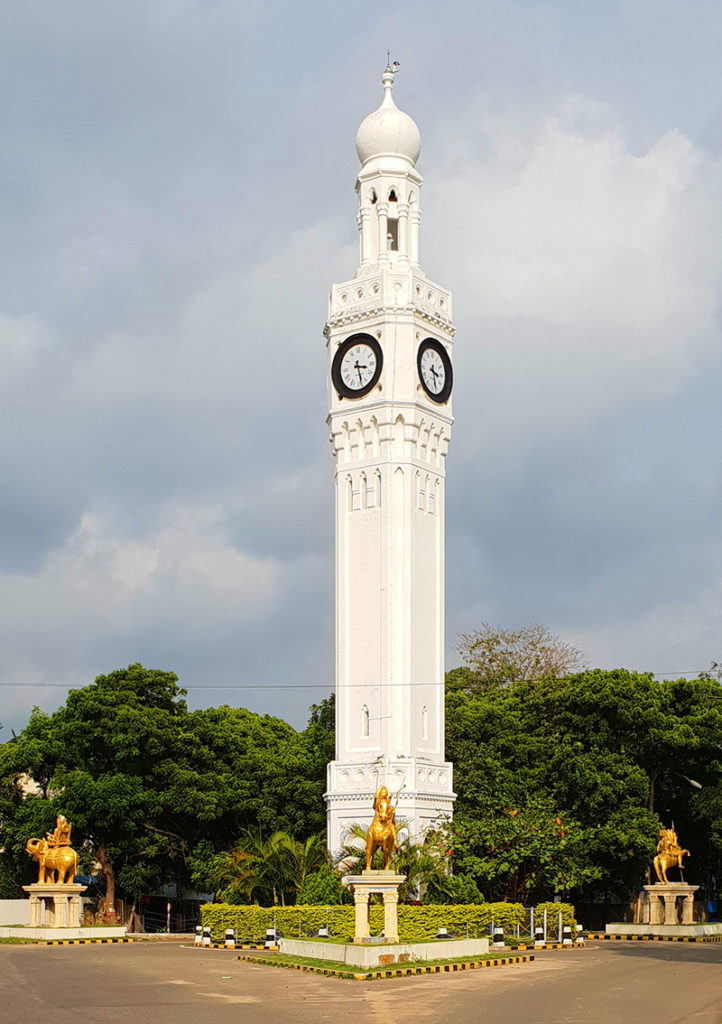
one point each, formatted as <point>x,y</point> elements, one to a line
<point>176,199</point>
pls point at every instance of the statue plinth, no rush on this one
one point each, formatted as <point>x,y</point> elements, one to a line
<point>362,886</point>
<point>662,902</point>
<point>54,905</point>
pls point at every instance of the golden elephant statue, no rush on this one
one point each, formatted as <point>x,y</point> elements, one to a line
<point>56,864</point>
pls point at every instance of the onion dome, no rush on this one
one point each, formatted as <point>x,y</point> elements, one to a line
<point>388,131</point>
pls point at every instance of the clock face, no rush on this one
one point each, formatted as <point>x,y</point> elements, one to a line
<point>357,366</point>
<point>435,372</point>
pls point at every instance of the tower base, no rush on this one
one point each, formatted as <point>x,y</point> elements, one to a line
<point>426,796</point>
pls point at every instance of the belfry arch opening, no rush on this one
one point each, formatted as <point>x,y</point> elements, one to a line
<point>392,235</point>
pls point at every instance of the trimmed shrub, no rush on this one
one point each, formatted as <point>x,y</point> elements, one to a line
<point>416,924</point>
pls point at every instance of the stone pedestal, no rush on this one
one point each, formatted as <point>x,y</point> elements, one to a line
<point>54,906</point>
<point>362,886</point>
<point>661,900</point>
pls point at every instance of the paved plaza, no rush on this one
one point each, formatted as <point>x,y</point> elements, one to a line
<point>163,983</point>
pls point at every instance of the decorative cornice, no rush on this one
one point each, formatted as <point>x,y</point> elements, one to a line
<point>409,797</point>
<point>342,320</point>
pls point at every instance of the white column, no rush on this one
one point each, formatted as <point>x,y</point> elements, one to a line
<point>414,218</point>
<point>361,906</point>
<point>383,223</point>
<point>365,239</point>
<point>391,917</point>
<point>404,231</point>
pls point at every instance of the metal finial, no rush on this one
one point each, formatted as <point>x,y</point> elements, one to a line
<point>393,68</point>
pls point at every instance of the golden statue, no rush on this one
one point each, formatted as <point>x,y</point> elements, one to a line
<point>57,860</point>
<point>60,836</point>
<point>382,833</point>
<point>669,854</point>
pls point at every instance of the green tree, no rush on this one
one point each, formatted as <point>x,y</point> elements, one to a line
<point>323,888</point>
<point>606,750</point>
<point>455,889</point>
<point>520,854</point>
<point>106,758</point>
<point>267,869</point>
<point>156,792</point>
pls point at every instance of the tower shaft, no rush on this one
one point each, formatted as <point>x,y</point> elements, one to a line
<point>389,432</point>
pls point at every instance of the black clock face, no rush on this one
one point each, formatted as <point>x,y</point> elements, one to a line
<point>356,367</point>
<point>435,371</point>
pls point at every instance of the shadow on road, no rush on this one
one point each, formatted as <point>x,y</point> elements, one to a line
<point>672,952</point>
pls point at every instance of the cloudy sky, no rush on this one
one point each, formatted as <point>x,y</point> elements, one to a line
<point>176,197</point>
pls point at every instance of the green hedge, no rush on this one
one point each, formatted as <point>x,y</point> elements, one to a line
<point>416,924</point>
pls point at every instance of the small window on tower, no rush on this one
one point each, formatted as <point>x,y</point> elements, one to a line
<point>392,196</point>
<point>392,237</point>
<point>373,197</point>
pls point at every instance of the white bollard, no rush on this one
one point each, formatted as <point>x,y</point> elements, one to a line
<point>230,939</point>
<point>499,937</point>
<point>206,937</point>
<point>198,936</point>
<point>567,933</point>
<point>580,937</point>
<point>539,942</point>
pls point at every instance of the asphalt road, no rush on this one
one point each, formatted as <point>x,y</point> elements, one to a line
<point>161,983</point>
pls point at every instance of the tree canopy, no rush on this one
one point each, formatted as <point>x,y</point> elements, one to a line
<point>562,781</point>
<point>145,782</point>
<point>609,754</point>
<point>494,656</point>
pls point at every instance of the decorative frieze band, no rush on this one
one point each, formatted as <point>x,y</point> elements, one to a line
<point>412,437</point>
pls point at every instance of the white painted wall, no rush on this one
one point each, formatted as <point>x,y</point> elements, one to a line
<point>14,912</point>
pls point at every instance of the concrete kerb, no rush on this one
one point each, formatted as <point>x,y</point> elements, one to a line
<point>602,937</point>
<point>404,971</point>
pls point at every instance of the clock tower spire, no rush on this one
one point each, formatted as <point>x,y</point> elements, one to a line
<point>389,338</point>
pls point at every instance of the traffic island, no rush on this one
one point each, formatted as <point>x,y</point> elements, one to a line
<point>336,969</point>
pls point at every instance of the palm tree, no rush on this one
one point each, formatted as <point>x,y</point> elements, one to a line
<point>422,863</point>
<point>273,869</point>
<point>308,857</point>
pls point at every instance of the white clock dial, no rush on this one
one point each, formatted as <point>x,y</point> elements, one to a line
<point>358,367</point>
<point>433,372</point>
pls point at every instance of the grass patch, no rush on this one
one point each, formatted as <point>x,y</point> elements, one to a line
<point>16,940</point>
<point>355,971</point>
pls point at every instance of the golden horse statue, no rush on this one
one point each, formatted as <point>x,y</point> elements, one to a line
<point>669,854</point>
<point>382,833</point>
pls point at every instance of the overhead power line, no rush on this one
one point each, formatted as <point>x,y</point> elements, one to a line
<point>298,686</point>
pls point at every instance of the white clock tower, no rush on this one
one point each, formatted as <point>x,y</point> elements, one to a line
<point>389,337</point>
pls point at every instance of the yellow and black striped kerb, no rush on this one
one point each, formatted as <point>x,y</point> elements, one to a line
<point>83,942</point>
<point>393,972</point>
<point>599,936</point>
